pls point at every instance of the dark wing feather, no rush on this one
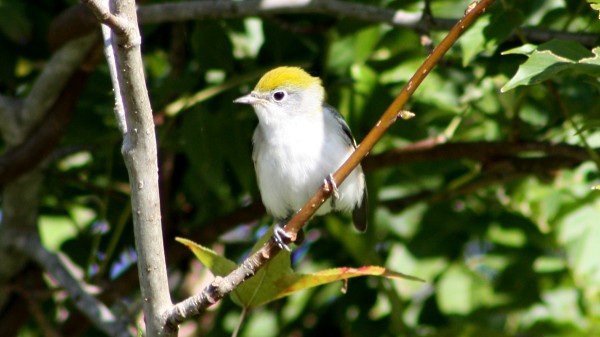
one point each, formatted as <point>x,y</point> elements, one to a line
<point>345,128</point>
<point>360,213</point>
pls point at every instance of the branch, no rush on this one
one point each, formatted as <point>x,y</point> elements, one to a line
<point>9,109</point>
<point>431,149</point>
<point>30,246</point>
<point>221,286</point>
<point>109,55</point>
<point>20,196</point>
<point>499,171</point>
<point>120,26</point>
<point>44,137</point>
<point>198,10</point>
<point>34,126</point>
<point>20,200</point>
<point>44,92</point>
<point>140,155</point>
<point>48,86</point>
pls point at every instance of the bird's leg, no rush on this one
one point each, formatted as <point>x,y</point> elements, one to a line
<point>331,185</point>
<point>283,238</point>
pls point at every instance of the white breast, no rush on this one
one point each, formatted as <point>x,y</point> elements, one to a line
<point>295,158</point>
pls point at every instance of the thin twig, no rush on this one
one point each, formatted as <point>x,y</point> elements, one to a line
<point>109,54</point>
<point>101,10</point>
<point>565,111</point>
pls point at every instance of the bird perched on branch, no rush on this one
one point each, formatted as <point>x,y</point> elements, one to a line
<point>298,143</point>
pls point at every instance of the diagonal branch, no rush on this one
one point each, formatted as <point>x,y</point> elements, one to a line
<point>48,86</point>
<point>389,117</point>
<point>95,310</point>
<point>222,286</point>
<point>118,25</point>
<point>43,138</point>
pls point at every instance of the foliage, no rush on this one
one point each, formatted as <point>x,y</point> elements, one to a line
<point>507,243</point>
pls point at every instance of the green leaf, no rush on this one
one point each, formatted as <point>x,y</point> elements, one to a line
<point>461,291</point>
<point>55,230</point>
<point>551,58</point>
<point>277,279</point>
<point>595,4</point>
<point>257,290</point>
<point>580,233</point>
<point>295,282</point>
<point>488,33</point>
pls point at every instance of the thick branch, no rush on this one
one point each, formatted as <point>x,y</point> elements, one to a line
<point>140,155</point>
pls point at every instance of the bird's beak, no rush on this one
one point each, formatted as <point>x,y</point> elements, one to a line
<point>248,99</point>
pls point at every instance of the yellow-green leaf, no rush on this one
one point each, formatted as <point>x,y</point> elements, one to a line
<point>277,279</point>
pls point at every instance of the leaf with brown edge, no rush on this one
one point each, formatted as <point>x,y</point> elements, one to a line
<point>277,278</point>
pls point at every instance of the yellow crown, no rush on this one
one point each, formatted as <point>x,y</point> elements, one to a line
<point>290,77</point>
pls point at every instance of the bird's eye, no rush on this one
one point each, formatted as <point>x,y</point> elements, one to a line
<point>279,95</point>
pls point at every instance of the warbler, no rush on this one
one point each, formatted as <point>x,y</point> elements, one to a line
<point>298,143</point>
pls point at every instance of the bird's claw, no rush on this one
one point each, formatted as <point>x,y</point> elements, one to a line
<point>282,238</point>
<point>332,186</point>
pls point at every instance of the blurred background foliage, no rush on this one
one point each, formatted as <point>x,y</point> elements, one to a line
<point>508,241</point>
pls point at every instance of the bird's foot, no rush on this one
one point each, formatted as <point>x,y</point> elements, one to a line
<point>330,185</point>
<point>283,239</point>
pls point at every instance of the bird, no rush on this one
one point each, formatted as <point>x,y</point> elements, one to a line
<point>299,141</point>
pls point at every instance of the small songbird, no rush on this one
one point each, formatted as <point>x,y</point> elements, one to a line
<point>298,143</point>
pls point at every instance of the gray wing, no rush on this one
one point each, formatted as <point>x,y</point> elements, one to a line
<point>345,128</point>
<point>360,213</point>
